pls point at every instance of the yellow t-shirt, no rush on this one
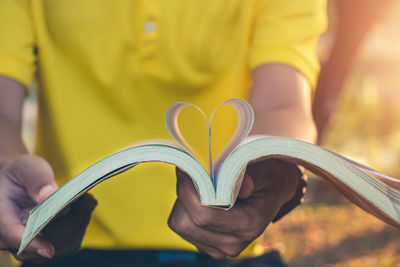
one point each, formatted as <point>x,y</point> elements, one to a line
<point>108,70</point>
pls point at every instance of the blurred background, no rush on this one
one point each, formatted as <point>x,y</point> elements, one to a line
<point>358,115</point>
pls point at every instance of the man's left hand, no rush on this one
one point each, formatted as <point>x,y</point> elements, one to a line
<point>267,185</point>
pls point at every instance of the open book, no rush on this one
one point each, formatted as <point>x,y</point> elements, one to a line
<point>374,192</point>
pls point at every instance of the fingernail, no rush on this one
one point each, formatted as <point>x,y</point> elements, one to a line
<point>45,191</point>
<point>42,252</point>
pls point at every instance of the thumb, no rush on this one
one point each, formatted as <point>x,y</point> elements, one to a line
<point>247,187</point>
<point>35,175</point>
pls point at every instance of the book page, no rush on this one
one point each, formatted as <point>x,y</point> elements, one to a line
<point>351,179</point>
<point>110,166</point>
<point>391,181</point>
<point>244,125</point>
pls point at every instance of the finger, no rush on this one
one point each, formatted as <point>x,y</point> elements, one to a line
<point>180,223</point>
<point>231,221</point>
<point>247,187</point>
<point>85,201</point>
<point>66,232</point>
<point>273,173</point>
<point>261,174</point>
<point>11,234</point>
<point>27,256</point>
<point>35,175</point>
<point>210,242</point>
<point>213,252</point>
<point>275,182</point>
<point>262,205</point>
<point>216,254</point>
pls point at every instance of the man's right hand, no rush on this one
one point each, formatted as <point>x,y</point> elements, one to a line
<point>25,182</point>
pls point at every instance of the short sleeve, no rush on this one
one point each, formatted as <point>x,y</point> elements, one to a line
<point>287,32</point>
<point>17,59</point>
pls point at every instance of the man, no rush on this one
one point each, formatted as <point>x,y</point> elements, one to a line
<point>107,71</point>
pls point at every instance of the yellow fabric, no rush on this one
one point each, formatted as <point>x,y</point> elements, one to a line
<point>108,70</point>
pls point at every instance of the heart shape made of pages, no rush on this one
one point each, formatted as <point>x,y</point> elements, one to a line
<point>245,121</point>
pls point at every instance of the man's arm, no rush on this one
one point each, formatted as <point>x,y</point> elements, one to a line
<point>12,96</point>
<point>25,180</point>
<point>353,21</point>
<point>12,149</point>
<point>281,98</point>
